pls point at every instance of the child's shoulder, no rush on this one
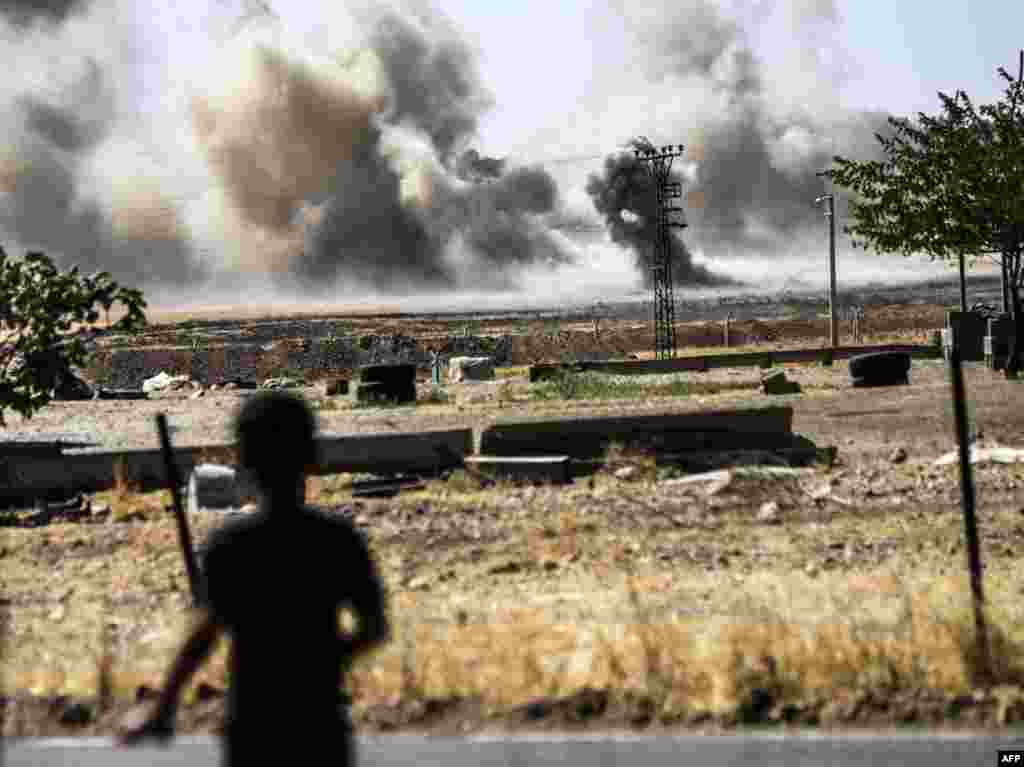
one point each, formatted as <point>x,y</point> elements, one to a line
<point>330,520</point>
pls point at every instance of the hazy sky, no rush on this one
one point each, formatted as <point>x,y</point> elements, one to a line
<point>901,53</point>
<point>160,137</point>
<point>541,58</point>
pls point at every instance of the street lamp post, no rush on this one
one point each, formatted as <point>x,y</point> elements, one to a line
<point>830,214</point>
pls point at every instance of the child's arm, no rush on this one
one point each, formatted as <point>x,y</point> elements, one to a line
<point>195,650</point>
<point>368,602</point>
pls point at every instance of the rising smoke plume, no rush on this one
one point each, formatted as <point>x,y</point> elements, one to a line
<point>71,182</point>
<point>625,195</point>
<point>348,164</point>
<point>757,128</point>
<point>23,13</point>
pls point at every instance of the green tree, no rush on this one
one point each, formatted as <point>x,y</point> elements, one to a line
<point>46,324</point>
<point>951,186</point>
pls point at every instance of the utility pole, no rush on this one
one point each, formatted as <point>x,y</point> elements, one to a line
<point>830,214</point>
<point>659,165</point>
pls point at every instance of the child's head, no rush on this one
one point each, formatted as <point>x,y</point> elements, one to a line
<point>276,434</point>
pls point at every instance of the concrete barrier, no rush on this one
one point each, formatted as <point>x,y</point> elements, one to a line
<point>588,437</point>
<point>742,359</point>
<point>95,470</point>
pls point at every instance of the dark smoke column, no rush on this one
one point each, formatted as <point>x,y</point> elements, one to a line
<point>626,196</point>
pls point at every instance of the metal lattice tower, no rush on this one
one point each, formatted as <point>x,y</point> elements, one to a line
<point>659,165</point>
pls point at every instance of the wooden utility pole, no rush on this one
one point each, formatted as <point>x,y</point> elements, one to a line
<point>830,214</point>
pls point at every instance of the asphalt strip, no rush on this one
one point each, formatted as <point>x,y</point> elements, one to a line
<point>754,737</point>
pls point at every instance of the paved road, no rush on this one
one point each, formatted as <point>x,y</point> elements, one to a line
<point>578,751</point>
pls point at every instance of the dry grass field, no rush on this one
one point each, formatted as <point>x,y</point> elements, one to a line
<point>830,596</point>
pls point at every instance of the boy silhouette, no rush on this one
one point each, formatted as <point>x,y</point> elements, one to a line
<point>274,582</point>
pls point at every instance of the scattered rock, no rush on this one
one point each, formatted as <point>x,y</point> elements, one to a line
<point>419,583</point>
<point>898,455</point>
<point>811,570</point>
<point>206,691</point>
<point>335,386</point>
<point>627,473</point>
<point>144,692</point>
<point>776,382</point>
<point>769,513</point>
<point>197,394</point>
<point>505,568</point>
<point>76,715</point>
<point>280,383</point>
<point>57,614</point>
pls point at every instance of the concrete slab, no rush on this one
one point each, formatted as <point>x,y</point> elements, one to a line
<point>545,468</point>
<point>93,470</point>
<point>588,437</point>
<point>741,359</point>
<point>395,452</point>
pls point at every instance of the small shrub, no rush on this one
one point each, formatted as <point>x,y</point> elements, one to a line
<point>569,385</point>
<point>471,328</point>
<point>437,396</point>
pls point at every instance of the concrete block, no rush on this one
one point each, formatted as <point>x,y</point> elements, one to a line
<point>213,487</point>
<point>466,369</point>
<point>390,383</point>
<point>998,341</point>
<point>970,331</point>
<point>756,427</point>
<point>880,369</point>
<point>546,468</point>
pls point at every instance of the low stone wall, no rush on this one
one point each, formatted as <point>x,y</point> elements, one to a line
<point>128,368</point>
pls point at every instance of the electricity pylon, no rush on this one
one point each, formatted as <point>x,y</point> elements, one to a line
<point>659,165</point>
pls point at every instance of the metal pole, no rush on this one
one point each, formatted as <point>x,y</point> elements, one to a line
<point>832,302</point>
<point>963,286</point>
<point>967,501</point>
<point>1004,283</point>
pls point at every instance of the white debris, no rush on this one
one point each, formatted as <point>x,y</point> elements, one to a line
<point>627,473</point>
<point>467,369</point>
<point>985,455</point>
<point>280,383</point>
<point>723,477</point>
<point>162,381</point>
<point>769,513</point>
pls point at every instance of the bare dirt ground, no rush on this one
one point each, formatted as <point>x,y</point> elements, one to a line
<point>826,596</point>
